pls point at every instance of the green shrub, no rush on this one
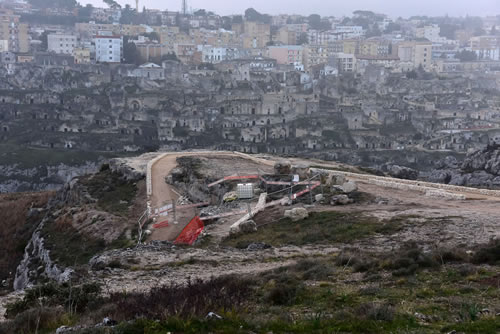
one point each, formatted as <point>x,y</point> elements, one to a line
<point>74,298</point>
<point>489,254</point>
<point>375,311</point>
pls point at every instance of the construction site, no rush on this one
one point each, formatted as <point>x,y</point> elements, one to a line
<point>220,193</point>
<point>260,243</point>
<point>225,191</point>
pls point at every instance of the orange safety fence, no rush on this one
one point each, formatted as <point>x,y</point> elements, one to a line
<point>191,232</point>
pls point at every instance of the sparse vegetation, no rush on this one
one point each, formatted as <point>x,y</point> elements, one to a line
<point>113,193</point>
<point>318,228</point>
<point>18,223</point>
<point>67,246</point>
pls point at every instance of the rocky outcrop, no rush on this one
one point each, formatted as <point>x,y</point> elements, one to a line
<point>296,214</point>
<point>283,168</point>
<point>15,178</point>
<point>479,169</point>
<point>37,263</point>
<point>401,172</point>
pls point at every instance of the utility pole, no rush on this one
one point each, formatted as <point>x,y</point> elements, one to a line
<point>184,7</point>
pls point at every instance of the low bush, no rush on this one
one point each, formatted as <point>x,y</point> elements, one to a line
<point>375,311</point>
<point>489,254</point>
<point>194,299</point>
<point>36,320</point>
<point>314,270</point>
<point>411,259</point>
<point>73,298</point>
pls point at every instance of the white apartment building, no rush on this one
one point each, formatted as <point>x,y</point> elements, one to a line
<point>4,45</point>
<point>108,48</point>
<point>214,55</point>
<point>61,43</point>
<point>348,32</point>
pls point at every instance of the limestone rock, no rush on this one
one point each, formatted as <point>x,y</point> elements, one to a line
<point>230,196</point>
<point>296,214</point>
<point>338,179</point>
<point>248,227</point>
<point>340,200</point>
<point>258,246</point>
<point>350,187</point>
<point>283,167</point>
<point>302,170</point>
<point>402,172</point>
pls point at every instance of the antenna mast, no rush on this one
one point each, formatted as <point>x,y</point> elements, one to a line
<point>184,7</point>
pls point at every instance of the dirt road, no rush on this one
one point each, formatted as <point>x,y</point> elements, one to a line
<point>163,193</point>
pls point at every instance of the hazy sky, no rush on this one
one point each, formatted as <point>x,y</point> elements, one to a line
<point>393,8</point>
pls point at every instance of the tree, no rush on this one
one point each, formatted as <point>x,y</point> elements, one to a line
<point>373,31</point>
<point>411,75</point>
<point>479,32</point>
<point>44,39</point>
<point>200,12</point>
<point>152,36</point>
<point>237,19</point>
<point>448,30</point>
<point>170,56</point>
<point>303,39</point>
<point>130,53</point>
<point>227,23</point>
<point>84,13</point>
<point>112,4</point>
<point>364,13</point>
<point>316,23</point>
<point>465,55</point>
<point>391,27</point>
<point>253,15</point>
<point>129,15</point>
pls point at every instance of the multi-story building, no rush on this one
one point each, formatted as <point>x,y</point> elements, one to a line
<point>286,36</point>
<point>347,32</point>
<point>418,53</point>
<point>108,47</point>
<point>92,29</point>
<point>81,55</point>
<point>4,45</point>
<point>486,47</point>
<point>322,37</point>
<point>315,55</point>
<point>187,53</point>
<point>345,62</point>
<point>214,55</point>
<point>376,47</point>
<point>152,51</point>
<point>350,46</point>
<point>286,54</point>
<point>61,43</point>
<point>430,32</point>
<point>256,35</point>
<point>13,31</point>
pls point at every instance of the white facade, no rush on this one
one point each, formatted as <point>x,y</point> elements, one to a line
<point>214,55</point>
<point>61,43</point>
<point>4,45</point>
<point>348,32</point>
<point>108,49</point>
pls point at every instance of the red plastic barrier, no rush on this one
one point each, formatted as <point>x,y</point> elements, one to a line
<point>191,232</point>
<point>161,225</point>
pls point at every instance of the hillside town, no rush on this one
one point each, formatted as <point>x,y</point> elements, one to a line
<point>182,171</point>
<point>360,89</point>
